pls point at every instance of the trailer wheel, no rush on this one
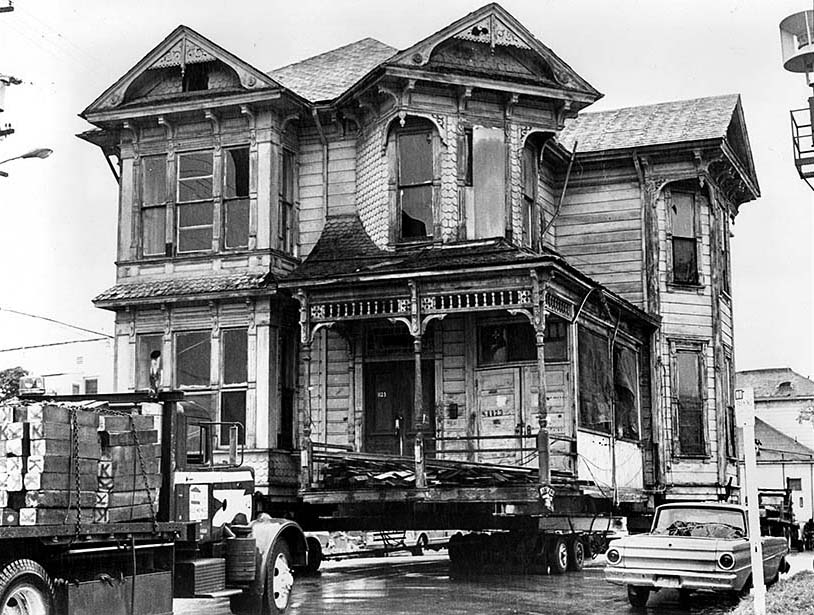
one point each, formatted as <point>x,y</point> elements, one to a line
<point>315,556</point>
<point>26,588</point>
<point>638,596</point>
<point>576,554</point>
<point>558,555</point>
<point>279,578</point>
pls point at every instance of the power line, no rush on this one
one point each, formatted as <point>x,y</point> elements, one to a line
<point>92,339</point>
<point>59,322</point>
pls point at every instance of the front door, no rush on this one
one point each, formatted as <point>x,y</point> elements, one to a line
<point>498,415</point>
<point>389,403</point>
<point>560,410</point>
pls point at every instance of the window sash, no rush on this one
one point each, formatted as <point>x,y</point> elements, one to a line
<point>193,352</point>
<point>195,176</point>
<point>195,224</point>
<point>232,410</point>
<point>154,180</point>
<point>236,173</point>
<point>146,343</point>
<point>685,260</point>
<point>595,387</point>
<point>235,356</point>
<point>236,223</point>
<point>153,230</point>
<point>689,382</point>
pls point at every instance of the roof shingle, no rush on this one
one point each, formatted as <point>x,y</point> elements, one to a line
<point>129,291</point>
<point>777,446</point>
<point>771,382</point>
<point>678,121</point>
<point>325,76</point>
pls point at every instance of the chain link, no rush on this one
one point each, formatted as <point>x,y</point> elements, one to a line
<point>76,472</point>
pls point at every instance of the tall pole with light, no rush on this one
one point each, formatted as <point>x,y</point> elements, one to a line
<point>797,43</point>
<point>41,152</point>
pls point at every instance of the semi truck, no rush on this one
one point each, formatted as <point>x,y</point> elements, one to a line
<point>113,503</point>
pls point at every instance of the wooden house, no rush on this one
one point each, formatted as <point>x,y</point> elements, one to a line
<point>374,253</point>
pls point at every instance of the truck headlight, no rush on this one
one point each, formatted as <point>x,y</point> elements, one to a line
<point>613,556</point>
<point>726,561</point>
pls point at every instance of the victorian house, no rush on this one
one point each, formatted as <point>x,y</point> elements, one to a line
<point>378,252</point>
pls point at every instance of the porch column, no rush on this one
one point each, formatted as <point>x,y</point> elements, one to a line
<point>543,449</point>
<point>419,418</point>
<point>306,452</point>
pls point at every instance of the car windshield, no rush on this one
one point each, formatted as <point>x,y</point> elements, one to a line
<point>700,522</point>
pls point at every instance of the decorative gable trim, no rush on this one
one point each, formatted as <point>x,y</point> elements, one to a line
<point>182,47</point>
<point>494,26</point>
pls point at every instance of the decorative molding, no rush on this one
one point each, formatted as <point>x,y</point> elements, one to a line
<point>492,31</point>
<point>464,95</point>
<point>215,121</point>
<point>135,133</point>
<point>169,130</point>
<point>294,117</point>
<point>251,120</point>
<point>182,53</point>
<point>438,119</point>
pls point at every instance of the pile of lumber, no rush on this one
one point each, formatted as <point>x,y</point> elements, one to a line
<point>52,465</point>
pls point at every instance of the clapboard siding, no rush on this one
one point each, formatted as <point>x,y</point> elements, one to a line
<point>311,197</point>
<point>337,386</point>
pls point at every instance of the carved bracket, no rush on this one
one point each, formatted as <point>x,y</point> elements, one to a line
<point>215,121</point>
<point>251,120</point>
<point>169,129</point>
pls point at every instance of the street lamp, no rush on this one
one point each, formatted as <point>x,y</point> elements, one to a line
<point>40,152</point>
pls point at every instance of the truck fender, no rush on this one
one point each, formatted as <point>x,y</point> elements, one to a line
<point>266,531</point>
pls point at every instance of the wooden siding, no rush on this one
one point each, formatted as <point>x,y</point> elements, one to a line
<point>599,231</point>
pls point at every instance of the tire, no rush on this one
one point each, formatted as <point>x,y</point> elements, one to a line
<point>315,555</point>
<point>558,558</point>
<point>637,596</point>
<point>279,579</point>
<point>420,545</point>
<point>26,588</point>
<point>576,554</point>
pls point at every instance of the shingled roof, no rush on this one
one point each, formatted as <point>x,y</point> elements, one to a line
<point>776,383</point>
<point>679,121</point>
<point>133,292</point>
<point>777,446</point>
<point>325,76</point>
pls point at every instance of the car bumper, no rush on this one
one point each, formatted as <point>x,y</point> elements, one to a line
<point>678,579</point>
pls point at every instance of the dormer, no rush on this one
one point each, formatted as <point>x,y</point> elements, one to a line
<point>461,122</point>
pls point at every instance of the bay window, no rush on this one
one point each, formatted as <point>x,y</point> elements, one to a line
<point>153,205</point>
<point>236,197</point>
<point>285,234</point>
<point>195,202</point>
<point>415,172</point>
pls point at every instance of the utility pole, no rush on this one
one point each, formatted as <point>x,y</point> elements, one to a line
<point>745,418</point>
<point>5,81</point>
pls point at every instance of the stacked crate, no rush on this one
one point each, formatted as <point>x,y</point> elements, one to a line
<point>37,476</point>
<point>40,469</point>
<point>124,475</point>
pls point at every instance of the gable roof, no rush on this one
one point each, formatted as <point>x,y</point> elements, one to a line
<point>325,76</point>
<point>182,46</point>
<point>777,446</point>
<point>767,383</point>
<point>680,121</point>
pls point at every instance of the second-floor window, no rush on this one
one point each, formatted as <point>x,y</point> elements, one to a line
<point>236,197</point>
<point>285,236</point>
<point>195,208</point>
<point>682,210</point>
<point>153,205</point>
<point>415,162</point>
<point>529,190</point>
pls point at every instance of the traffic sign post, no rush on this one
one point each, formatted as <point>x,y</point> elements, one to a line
<point>745,418</point>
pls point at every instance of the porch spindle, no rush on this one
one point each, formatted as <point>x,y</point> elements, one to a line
<point>419,418</point>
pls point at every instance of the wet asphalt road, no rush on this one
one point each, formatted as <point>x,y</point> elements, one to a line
<point>423,586</point>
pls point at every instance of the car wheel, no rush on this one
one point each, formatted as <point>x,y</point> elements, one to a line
<point>638,596</point>
<point>558,555</point>
<point>25,587</point>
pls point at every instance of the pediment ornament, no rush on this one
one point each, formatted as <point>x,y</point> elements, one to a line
<point>492,31</point>
<point>182,53</point>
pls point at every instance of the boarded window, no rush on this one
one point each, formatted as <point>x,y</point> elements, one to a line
<point>595,387</point>
<point>236,197</point>
<point>690,402</point>
<point>232,410</point>
<point>685,258</point>
<point>153,204</point>
<point>286,211</point>
<point>626,389</point>
<point>235,356</point>
<point>195,213</point>
<point>489,181</point>
<point>146,345</point>
<point>192,358</point>
<point>529,186</point>
<point>415,176</point>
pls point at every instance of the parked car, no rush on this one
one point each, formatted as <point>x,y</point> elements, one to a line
<point>690,547</point>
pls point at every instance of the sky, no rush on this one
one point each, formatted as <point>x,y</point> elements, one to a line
<point>58,215</point>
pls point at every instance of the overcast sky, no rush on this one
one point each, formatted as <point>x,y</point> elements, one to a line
<point>58,216</point>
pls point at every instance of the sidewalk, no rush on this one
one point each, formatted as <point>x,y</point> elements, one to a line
<point>800,560</point>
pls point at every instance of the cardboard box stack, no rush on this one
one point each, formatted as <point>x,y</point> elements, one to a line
<point>38,479</point>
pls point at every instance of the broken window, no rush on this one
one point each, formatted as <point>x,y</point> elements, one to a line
<point>153,205</point>
<point>684,250</point>
<point>595,387</point>
<point>415,162</point>
<point>195,207</point>
<point>626,389</point>
<point>146,345</point>
<point>196,77</point>
<point>529,189</point>
<point>285,236</point>
<point>690,401</point>
<point>192,358</point>
<point>236,197</point>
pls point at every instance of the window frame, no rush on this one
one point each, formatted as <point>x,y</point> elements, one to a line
<point>287,204</point>
<point>237,198</point>
<point>695,207</point>
<point>699,349</point>
<point>528,202</point>
<point>413,126</point>
<point>730,434</point>
<point>175,362</point>
<point>139,360</point>
<point>160,206</point>
<point>180,204</point>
